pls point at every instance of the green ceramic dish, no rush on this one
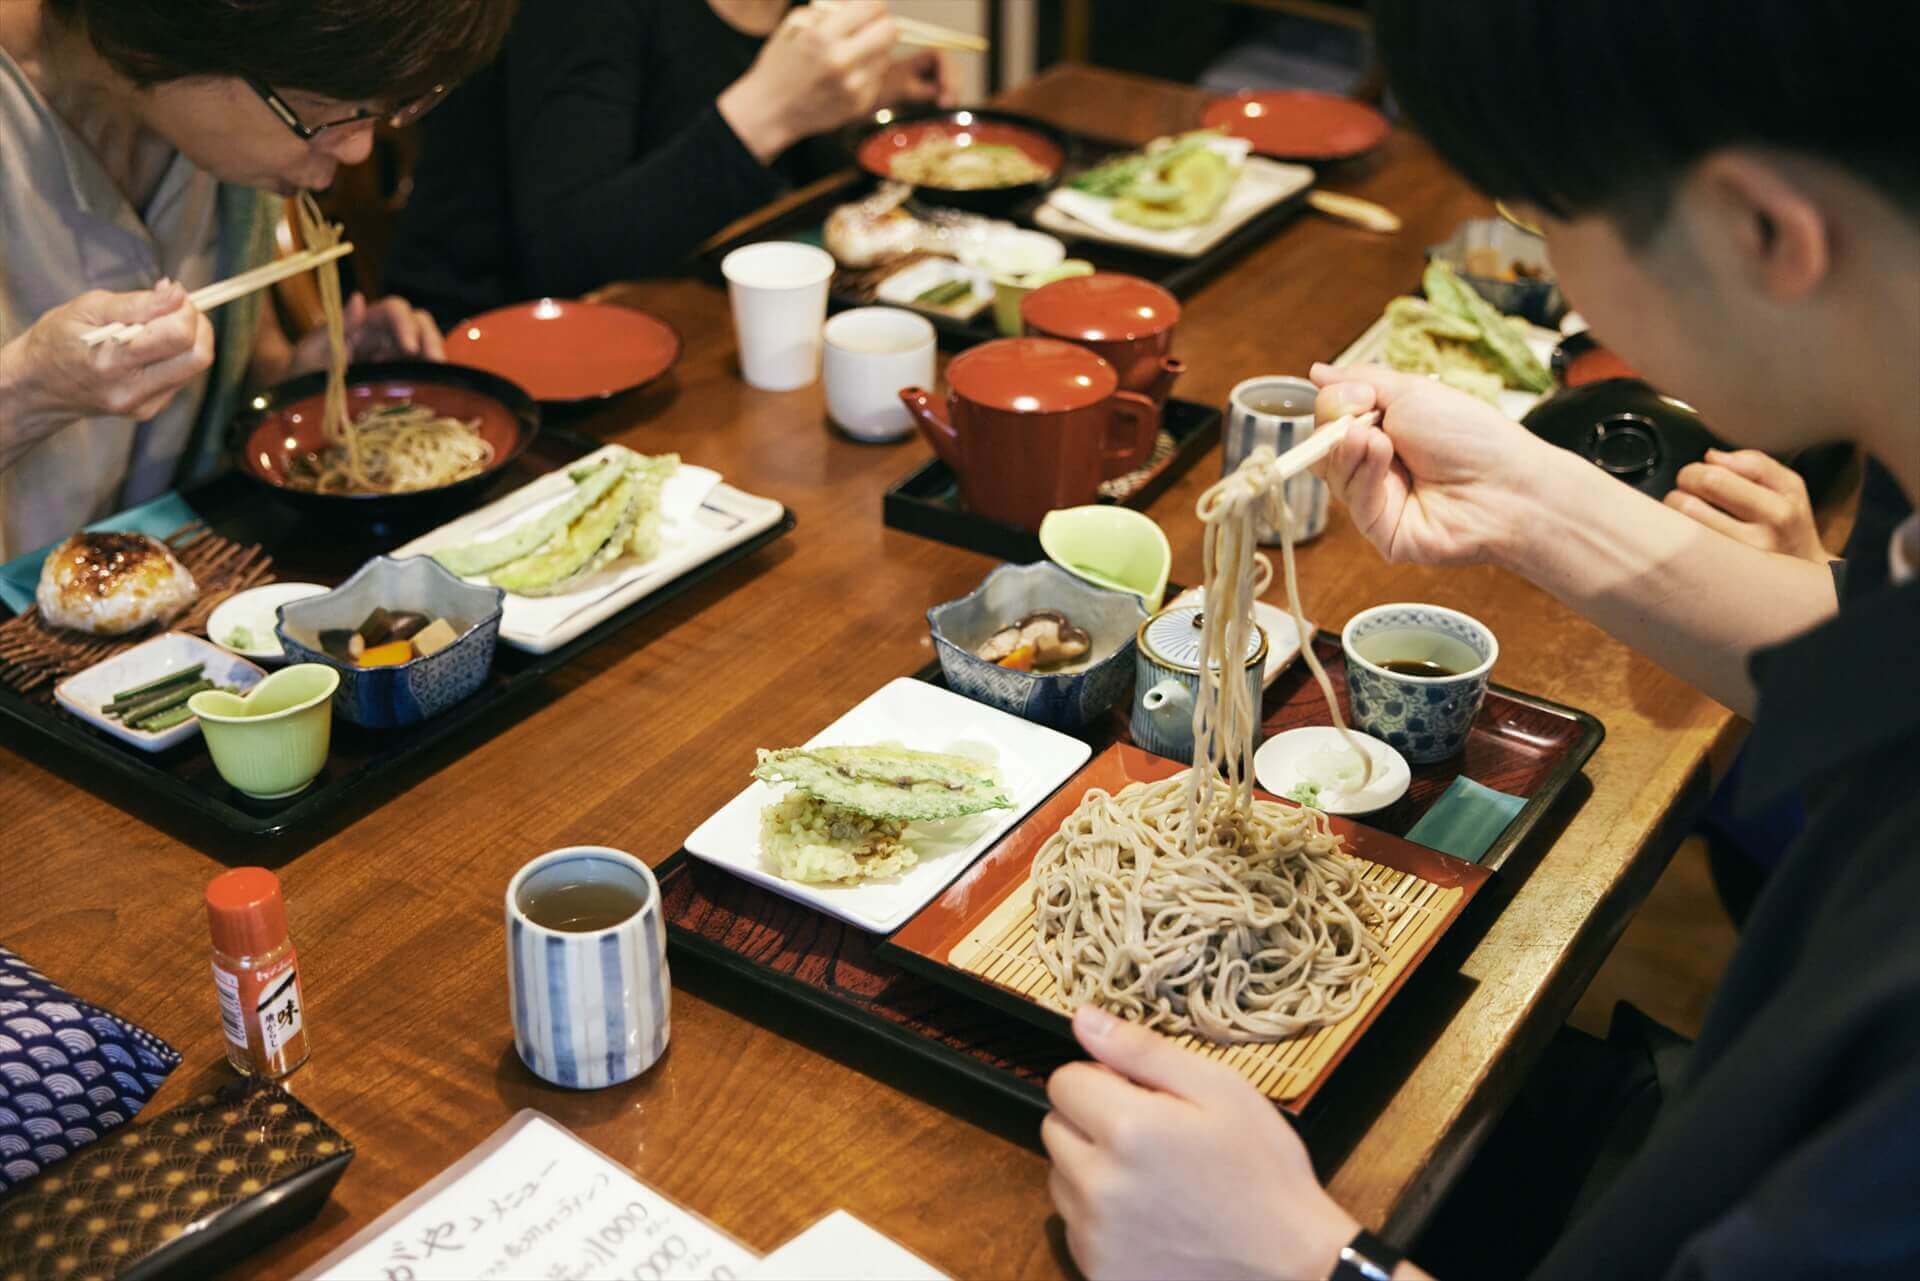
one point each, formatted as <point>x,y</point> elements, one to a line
<point>273,742</point>
<point>1113,547</point>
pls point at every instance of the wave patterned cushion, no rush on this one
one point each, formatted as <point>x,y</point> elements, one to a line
<point>69,1071</point>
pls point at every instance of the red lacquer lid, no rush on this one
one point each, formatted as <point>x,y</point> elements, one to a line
<point>1102,307</point>
<point>1031,376</point>
<point>1299,124</point>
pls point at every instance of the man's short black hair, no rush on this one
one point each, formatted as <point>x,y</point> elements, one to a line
<point>350,50</point>
<point>1598,106</point>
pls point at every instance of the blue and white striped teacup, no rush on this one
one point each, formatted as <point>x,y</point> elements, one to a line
<point>590,1006</point>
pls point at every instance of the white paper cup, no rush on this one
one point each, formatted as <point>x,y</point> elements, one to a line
<point>778,290</point>
<point>590,1009</point>
<point>873,352</point>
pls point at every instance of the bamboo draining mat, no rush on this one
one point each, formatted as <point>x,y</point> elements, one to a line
<point>1001,950</point>
<point>33,654</point>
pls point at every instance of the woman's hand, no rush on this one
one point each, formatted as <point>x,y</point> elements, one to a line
<point>923,76</point>
<point>1166,1164</point>
<point>50,377</point>
<point>1749,496</point>
<point>1444,478</point>
<point>823,66</point>
<point>391,329</point>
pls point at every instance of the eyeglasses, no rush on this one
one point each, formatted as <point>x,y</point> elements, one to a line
<point>1513,219</point>
<point>399,117</point>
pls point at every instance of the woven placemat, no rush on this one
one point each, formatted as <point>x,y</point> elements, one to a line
<point>1120,488</point>
<point>34,654</point>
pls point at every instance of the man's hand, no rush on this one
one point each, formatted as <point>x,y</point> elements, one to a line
<point>391,329</point>
<point>1166,1164</point>
<point>1749,496</point>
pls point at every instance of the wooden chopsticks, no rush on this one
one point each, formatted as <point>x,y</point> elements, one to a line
<point>222,292</point>
<point>929,35</point>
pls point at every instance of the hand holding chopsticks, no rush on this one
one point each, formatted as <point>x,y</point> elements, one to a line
<point>1317,446</point>
<point>220,293</point>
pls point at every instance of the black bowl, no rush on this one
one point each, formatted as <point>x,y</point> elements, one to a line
<point>1043,143</point>
<point>284,423</point>
<point>1625,428</point>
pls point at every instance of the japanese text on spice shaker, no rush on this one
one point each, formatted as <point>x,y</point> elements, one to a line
<point>256,973</point>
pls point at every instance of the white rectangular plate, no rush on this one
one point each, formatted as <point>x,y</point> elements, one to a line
<point>1370,348</point>
<point>1262,184</point>
<point>86,692</point>
<point>704,517</point>
<point>1033,760</point>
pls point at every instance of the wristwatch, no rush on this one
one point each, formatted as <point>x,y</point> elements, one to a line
<point>1366,1258</point>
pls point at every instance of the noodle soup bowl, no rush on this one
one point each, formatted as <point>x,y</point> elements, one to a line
<point>406,693</point>
<point>1073,699</point>
<point>1427,718</point>
<point>283,427</point>
<point>1039,142</point>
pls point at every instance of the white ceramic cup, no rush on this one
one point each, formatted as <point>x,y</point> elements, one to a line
<point>872,352</point>
<point>590,1009</point>
<point>778,290</point>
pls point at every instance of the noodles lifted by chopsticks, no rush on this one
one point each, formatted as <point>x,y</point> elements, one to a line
<point>395,448</point>
<point>1188,905</point>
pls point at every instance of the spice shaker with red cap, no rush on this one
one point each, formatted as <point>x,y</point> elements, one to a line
<point>256,973</point>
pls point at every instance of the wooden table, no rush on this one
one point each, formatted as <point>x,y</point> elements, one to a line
<point>761,1118</point>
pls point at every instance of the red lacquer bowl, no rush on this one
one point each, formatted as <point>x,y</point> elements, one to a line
<point>1298,124</point>
<point>1039,142</point>
<point>567,352</point>
<point>284,424</point>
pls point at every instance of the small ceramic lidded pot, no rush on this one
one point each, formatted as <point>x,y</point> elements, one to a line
<point>1166,679</point>
<point>1416,676</point>
<point>1125,320</point>
<point>1031,425</point>
<point>587,981</point>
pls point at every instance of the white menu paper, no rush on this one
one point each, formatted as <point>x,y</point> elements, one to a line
<point>535,1202</point>
<point>842,1248</point>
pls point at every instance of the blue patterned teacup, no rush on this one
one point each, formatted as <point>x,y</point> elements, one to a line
<point>1426,717</point>
<point>588,993</point>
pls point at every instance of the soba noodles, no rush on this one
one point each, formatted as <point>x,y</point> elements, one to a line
<point>392,449</point>
<point>1187,905</point>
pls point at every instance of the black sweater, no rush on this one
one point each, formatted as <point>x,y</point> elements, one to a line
<point>590,152</point>
<point>1792,1149</point>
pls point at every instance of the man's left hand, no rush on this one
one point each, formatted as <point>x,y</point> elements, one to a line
<point>391,329</point>
<point>1166,1164</point>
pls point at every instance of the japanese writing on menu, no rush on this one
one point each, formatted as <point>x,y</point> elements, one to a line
<point>545,1207</point>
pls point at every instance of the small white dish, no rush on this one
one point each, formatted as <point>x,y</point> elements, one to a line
<point>1295,756</point>
<point>1283,638</point>
<point>1262,184</point>
<point>256,612</point>
<point>86,692</point>
<point>1032,760</point>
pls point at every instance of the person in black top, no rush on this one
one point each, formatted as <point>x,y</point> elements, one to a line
<point>613,136</point>
<point>1731,194</point>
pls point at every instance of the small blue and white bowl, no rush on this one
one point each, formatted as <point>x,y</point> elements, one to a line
<point>1069,701</point>
<point>1427,718</point>
<point>406,694</point>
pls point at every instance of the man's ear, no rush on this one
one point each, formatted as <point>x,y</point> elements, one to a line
<point>1775,230</point>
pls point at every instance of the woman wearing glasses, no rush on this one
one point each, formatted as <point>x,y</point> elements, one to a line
<point>141,142</point>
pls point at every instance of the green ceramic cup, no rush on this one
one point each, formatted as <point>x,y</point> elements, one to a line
<point>273,742</point>
<point>1010,291</point>
<point>1114,547</point>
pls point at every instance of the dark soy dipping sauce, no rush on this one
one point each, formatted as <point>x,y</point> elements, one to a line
<point>580,907</point>
<point>1417,667</point>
